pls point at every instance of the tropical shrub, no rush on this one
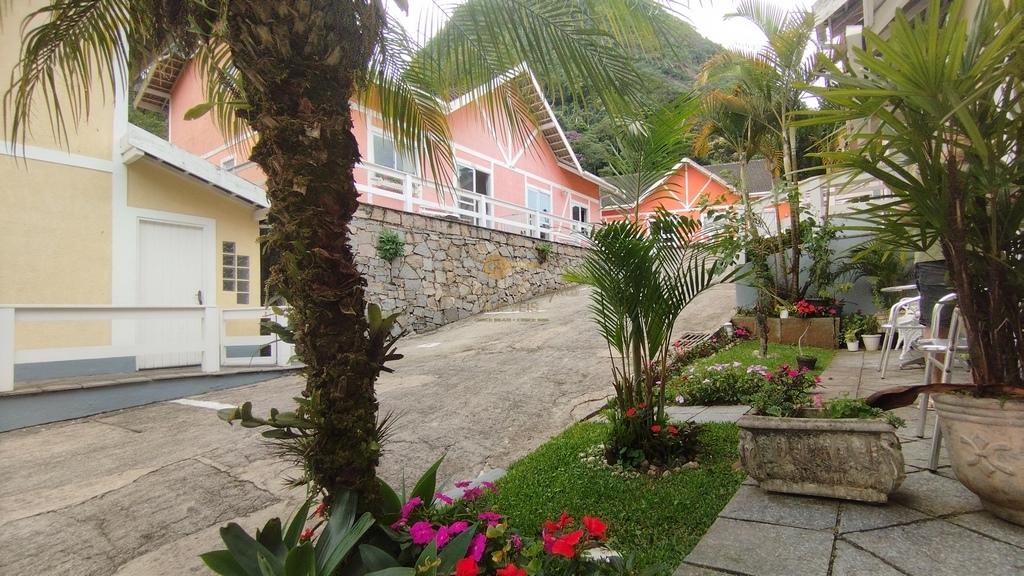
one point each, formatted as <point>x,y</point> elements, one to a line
<point>638,435</point>
<point>641,282</point>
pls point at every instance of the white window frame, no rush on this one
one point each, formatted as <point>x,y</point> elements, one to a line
<point>472,203</point>
<point>545,221</point>
<point>378,133</point>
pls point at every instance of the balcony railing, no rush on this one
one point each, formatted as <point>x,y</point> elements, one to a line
<point>411,193</point>
<point>202,333</point>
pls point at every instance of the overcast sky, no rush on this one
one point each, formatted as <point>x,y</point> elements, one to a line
<point>707,16</point>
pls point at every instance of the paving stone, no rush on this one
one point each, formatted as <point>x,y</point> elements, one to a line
<point>935,495</point>
<point>938,548</point>
<point>754,548</point>
<point>752,503</point>
<point>851,561</point>
<point>992,527</point>
<point>855,517</point>
<point>690,570</point>
<point>917,453</point>
<point>683,413</point>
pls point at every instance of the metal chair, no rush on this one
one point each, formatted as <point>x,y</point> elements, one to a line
<point>932,348</point>
<point>903,316</point>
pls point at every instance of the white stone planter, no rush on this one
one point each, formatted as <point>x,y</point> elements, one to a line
<point>850,459</point>
<point>853,346</point>
<point>872,342</point>
<point>985,441</point>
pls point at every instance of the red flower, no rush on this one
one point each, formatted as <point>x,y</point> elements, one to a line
<point>630,412</point>
<point>307,534</point>
<point>596,527</point>
<point>656,428</point>
<point>321,510</point>
<point>566,545</point>
<point>466,567</point>
<point>511,570</point>
<point>673,430</point>
<point>563,521</point>
<point>643,406</point>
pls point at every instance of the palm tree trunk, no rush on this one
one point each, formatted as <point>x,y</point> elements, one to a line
<point>758,261</point>
<point>300,62</point>
<point>789,145</point>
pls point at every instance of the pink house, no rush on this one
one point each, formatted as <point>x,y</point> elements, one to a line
<point>533,186</point>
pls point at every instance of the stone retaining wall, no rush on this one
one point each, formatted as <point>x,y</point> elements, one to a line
<point>451,270</point>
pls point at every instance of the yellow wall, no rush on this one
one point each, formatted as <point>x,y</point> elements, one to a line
<point>92,136</point>
<point>55,248</point>
<point>156,187</point>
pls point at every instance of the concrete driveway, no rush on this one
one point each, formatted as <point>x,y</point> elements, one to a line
<point>143,491</point>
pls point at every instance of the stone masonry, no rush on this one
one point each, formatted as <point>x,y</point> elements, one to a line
<point>451,270</point>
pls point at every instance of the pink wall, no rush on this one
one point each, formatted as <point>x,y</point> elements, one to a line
<point>511,166</point>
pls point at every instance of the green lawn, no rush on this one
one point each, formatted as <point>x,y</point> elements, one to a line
<point>777,354</point>
<point>658,520</point>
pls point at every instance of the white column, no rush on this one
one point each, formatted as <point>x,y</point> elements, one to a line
<point>6,349</point>
<point>407,191</point>
<point>283,351</point>
<point>211,339</point>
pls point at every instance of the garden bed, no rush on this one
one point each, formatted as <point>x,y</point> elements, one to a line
<point>821,332</point>
<point>659,520</point>
<point>723,378</point>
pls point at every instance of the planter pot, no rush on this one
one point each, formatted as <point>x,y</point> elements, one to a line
<point>872,342</point>
<point>985,441</point>
<point>821,332</point>
<point>808,362</point>
<point>783,314</point>
<point>838,458</point>
<point>853,346</point>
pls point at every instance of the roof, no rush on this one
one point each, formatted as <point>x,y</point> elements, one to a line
<point>610,200</point>
<point>154,90</point>
<point>620,182</point>
<point>137,143</point>
<point>759,175</point>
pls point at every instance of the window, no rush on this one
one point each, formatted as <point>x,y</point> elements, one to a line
<point>227,163</point>
<point>383,153</point>
<point>235,272</point>
<point>581,215</point>
<point>539,201</point>
<point>478,182</point>
<point>665,230</point>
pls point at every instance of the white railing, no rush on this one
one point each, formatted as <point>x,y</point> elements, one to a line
<point>837,194</point>
<point>209,339</point>
<point>421,196</point>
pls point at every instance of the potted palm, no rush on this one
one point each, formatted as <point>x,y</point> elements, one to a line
<point>947,145</point>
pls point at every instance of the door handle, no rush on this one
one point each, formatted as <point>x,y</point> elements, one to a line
<point>199,297</point>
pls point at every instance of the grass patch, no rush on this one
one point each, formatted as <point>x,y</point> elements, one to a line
<point>777,354</point>
<point>657,520</point>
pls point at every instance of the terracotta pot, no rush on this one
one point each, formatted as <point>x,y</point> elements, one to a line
<point>872,342</point>
<point>985,441</point>
<point>844,458</point>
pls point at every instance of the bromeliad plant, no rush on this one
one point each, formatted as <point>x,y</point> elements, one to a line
<point>642,279</point>
<point>935,114</point>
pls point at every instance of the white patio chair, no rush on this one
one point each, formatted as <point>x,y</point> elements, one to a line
<point>903,319</point>
<point>939,353</point>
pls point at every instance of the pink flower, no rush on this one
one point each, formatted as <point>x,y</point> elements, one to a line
<point>792,373</point>
<point>489,485</point>
<point>444,534</point>
<point>421,532</point>
<point>768,376</point>
<point>471,494</point>
<point>818,401</point>
<point>441,497</point>
<point>476,549</point>
<point>458,527</point>
<point>656,428</point>
<point>817,379</point>
<point>516,541</point>
<point>407,508</point>
<point>492,518</point>
<point>463,484</point>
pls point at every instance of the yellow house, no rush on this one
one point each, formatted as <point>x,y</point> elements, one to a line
<point>119,251</point>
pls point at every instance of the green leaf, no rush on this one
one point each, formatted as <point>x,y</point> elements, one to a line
<point>269,564</point>
<point>398,571</point>
<point>375,559</point>
<point>335,554</point>
<point>244,548</point>
<point>270,537</point>
<point>428,561</point>
<point>391,504</point>
<point>199,110</point>
<point>427,484</point>
<point>298,522</point>
<point>456,550</point>
<point>223,563</point>
<point>301,561</point>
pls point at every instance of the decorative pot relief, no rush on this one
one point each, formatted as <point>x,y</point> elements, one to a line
<point>987,455</point>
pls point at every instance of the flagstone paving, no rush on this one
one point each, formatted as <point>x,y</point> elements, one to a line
<point>932,525</point>
<point>143,491</point>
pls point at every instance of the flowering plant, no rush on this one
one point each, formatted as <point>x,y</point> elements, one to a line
<point>785,391</point>
<point>639,438</point>
<point>806,309</point>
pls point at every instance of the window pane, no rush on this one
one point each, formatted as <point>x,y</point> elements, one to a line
<point>229,285</point>
<point>243,261</point>
<point>466,178</point>
<point>383,151</point>
<point>242,274</point>
<point>229,272</point>
<point>242,286</point>
<point>482,181</point>
<point>406,164</point>
<point>242,298</point>
<point>228,260</point>
<point>228,247</point>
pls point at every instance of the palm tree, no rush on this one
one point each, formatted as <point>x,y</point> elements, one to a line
<point>648,150</point>
<point>776,75</point>
<point>287,70</point>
